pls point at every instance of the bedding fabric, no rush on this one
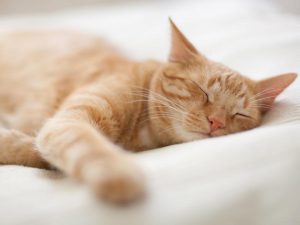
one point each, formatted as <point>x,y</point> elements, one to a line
<point>249,178</point>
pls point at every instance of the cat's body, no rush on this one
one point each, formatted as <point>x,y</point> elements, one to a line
<point>75,101</point>
<point>44,68</point>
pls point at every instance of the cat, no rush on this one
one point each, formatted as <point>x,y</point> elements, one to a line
<point>71,101</point>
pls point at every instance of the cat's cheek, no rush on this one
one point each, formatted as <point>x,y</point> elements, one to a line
<point>194,131</point>
<point>243,124</point>
<point>177,91</point>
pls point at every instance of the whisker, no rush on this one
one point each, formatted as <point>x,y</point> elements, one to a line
<point>260,99</point>
<point>164,101</point>
<point>266,91</point>
<point>146,91</point>
<point>159,117</point>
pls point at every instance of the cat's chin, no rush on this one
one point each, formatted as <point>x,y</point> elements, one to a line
<point>197,135</point>
<point>217,133</point>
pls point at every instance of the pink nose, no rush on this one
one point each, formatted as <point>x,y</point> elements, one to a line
<point>215,124</point>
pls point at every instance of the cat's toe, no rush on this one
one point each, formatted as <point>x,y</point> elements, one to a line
<point>120,181</point>
<point>122,187</point>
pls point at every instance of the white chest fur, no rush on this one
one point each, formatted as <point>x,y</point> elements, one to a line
<point>145,138</point>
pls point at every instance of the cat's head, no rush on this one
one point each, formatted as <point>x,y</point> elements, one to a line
<point>193,97</point>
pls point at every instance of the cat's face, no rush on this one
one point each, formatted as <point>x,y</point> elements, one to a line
<point>207,100</point>
<point>193,97</point>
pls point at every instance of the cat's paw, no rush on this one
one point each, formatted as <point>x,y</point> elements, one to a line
<point>117,180</point>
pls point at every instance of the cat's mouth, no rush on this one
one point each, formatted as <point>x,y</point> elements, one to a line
<point>201,133</point>
<point>217,133</point>
<point>208,134</point>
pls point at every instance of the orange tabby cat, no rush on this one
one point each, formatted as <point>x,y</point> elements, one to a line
<point>71,100</point>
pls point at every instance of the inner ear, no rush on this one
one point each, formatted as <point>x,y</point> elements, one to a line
<point>182,50</point>
<point>267,90</point>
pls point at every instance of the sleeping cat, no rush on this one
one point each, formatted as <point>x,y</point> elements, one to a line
<point>71,101</point>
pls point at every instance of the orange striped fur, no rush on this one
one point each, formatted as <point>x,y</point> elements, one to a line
<point>71,101</point>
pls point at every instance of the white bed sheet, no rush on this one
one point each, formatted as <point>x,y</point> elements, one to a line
<point>246,178</point>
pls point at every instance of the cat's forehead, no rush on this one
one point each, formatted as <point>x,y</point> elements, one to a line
<point>226,81</point>
<point>228,88</point>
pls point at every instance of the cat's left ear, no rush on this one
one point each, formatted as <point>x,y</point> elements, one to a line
<point>267,90</point>
<point>182,49</point>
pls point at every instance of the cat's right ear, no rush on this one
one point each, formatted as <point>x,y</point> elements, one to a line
<point>267,90</point>
<point>182,49</point>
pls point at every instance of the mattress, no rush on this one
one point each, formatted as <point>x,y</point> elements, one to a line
<point>249,178</point>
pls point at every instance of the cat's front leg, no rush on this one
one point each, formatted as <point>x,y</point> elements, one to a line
<point>72,144</point>
<point>116,179</point>
<point>18,148</point>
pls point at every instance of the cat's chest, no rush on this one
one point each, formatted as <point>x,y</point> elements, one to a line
<point>141,140</point>
<point>145,138</point>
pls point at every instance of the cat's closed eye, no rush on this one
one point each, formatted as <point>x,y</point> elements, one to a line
<point>242,115</point>
<point>203,92</point>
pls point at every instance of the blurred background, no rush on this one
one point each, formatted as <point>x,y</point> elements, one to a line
<point>29,6</point>
<point>259,38</point>
<point>262,31</point>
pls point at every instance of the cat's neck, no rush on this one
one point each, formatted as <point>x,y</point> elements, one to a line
<point>142,132</point>
<point>153,133</point>
<point>139,133</point>
<point>149,132</point>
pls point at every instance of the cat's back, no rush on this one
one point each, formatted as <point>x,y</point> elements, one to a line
<point>31,47</point>
<point>38,69</point>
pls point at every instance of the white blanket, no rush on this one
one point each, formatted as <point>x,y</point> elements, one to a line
<point>250,178</point>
